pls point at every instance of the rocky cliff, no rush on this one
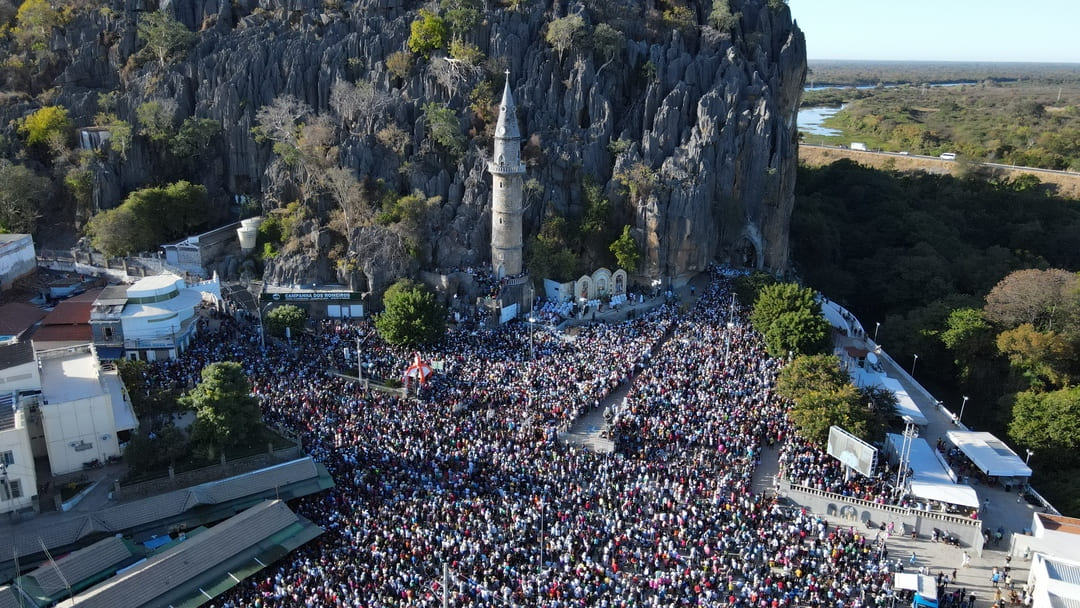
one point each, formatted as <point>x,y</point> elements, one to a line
<point>688,130</point>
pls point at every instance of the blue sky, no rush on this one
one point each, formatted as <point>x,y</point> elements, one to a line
<point>941,30</point>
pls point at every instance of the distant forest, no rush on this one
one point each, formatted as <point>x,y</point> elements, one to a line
<point>874,73</point>
<point>921,253</point>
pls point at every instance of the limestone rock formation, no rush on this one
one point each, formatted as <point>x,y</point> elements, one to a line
<point>704,118</point>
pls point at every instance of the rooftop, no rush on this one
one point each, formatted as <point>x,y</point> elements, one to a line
<point>16,354</point>
<point>17,317</point>
<point>142,584</point>
<point>69,375</point>
<point>1060,523</point>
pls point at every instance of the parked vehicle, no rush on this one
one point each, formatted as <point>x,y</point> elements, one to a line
<point>948,156</point>
<point>858,145</point>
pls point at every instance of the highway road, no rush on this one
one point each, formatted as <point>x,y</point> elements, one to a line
<point>939,159</point>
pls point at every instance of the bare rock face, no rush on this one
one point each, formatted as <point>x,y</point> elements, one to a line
<point>708,117</point>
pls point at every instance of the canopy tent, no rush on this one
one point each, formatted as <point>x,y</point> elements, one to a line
<point>421,370</point>
<point>989,454</point>
<point>906,407</point>
<point>954,494</point>
<point>932,479</point>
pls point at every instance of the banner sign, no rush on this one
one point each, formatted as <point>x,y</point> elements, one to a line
<point>310,296</point>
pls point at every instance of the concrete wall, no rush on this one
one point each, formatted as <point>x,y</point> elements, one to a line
<point>17,441</point>
<point>75,424</point>
<point>17,258</point>
<point>905,520</point>
<point>25,377</point>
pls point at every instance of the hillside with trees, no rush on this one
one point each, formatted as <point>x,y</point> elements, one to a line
<point>977,278</point>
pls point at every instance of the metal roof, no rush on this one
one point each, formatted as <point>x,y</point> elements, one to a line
<point>17,317</point>
<point>163,572</point>
<point>1066,572</point>
<point>81,565</point>
<point>67,531</point>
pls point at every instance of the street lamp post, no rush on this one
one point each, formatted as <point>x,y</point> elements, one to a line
<point>532,330</point>
<point>916,360</point>
<point>877,326</point>
<point>262,329</point>
<point>1029,455</point>
<point>962,404</point>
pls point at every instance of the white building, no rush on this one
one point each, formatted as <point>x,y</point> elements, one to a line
<point>19,382</point>
<point>17,258</point>
<point>153,319</point>
<point>83,408</point>
<point>1054,582</point>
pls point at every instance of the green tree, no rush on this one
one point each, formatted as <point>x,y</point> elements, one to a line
<point>1044,358</point>
<point>155,452</point>
<point>194,137</point>
<point>149,217</point>
<point>445,129</point>
<point>165,37</point>
<point>789,317</point>
<point>969,338</point>
<point>227,415</point>
<point>156,119</point>
<point>22,195</point>
<point>285,316</point>
<point>550,255</point>
<point>626,251</point>
<point>46,125</point>
<point>844,407</point>
<point>810,373</point>
<point>411,315</point>
<point>749,286</point>
<point>722,18</point>
<point>608,43</point>
<point>462,16</point>
<point>1048,421</point>
<point>427,33</point>
<point>563,33</point>
<point>34,23</point>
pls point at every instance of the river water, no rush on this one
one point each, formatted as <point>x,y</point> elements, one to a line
<point>810,120</point>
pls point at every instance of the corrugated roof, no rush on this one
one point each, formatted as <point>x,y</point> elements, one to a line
<point>81,565</point>
<point>125,516</point>
<point>180,563</point>
<point>64,333</point>
<point>1066,572</point>
<point>17,317</point>
<point>8,599</point>
<point>1057,601</point>
<point>69,312</point>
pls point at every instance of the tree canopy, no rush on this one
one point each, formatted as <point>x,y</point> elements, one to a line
<point>227,415</point>
<point>411,316</point>
<point>285,316</point>
<point>148,218</point>
<point>427,33</point>
<point>165,37</point>
<point>823,396</point>
<point>22,194</point>
<point>789,318</point>
<point>626,251</point>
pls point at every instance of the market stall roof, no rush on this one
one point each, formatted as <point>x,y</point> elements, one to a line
<point>989,454</point>
<point>927,467</point>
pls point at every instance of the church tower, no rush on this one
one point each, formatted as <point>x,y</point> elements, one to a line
<point>507,172</point>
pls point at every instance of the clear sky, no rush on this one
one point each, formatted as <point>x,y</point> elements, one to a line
<point>941,30</point>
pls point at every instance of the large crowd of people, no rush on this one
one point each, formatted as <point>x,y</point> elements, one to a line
<point>465,491</point>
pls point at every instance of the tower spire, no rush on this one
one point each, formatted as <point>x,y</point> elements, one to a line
<point>507,127</point>
<point>506,171</point>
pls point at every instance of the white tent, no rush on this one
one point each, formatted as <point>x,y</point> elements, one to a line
<point>932,478</point>
<point>989,454</point>
<point>954,494</point>
<point>906,407</point>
